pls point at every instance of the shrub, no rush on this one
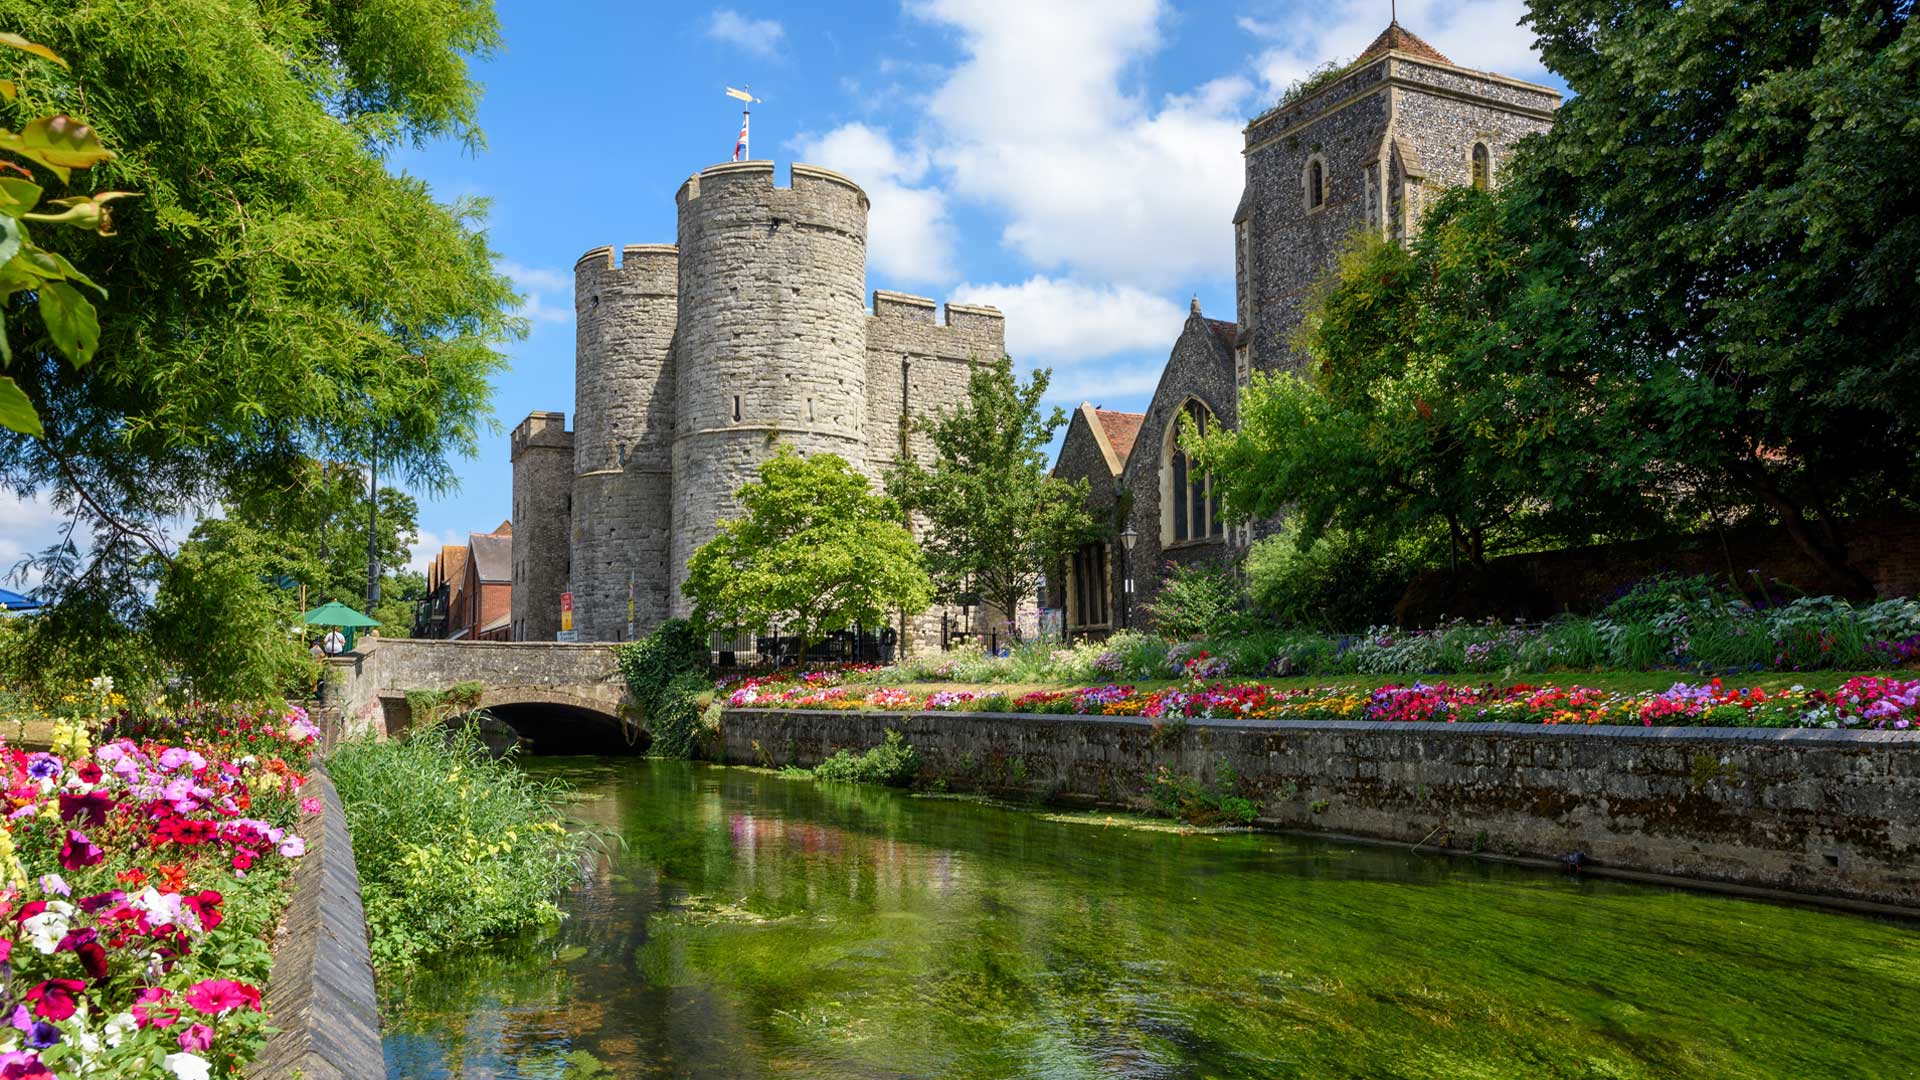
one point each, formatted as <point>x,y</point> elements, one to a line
<point>1199,600</point>
<point>453,846</point>
<point>1342,579</point>
<point>676,720</point>
<point>894,763</point>
<point>1650,597</point>
<point>653,667</point>
<point>1187,799</point>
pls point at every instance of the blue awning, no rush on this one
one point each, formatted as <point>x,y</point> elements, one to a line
<point>13,601</point>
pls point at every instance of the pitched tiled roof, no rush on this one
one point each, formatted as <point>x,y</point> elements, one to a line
<point>1228,333</point>
<point>452,565</point>
<point>492,556</point>
<point>1122,428</point>
<point>1396,38</point>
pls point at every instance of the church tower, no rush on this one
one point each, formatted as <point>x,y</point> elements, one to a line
<point>1365,149</point>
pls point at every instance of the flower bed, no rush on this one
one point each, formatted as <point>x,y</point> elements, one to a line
<point>1862,702</point>
<point>141,880</point>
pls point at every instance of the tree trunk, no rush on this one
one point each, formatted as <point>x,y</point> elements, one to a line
<point>1830,558</point>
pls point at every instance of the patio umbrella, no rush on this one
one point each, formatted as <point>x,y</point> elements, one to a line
<point>13,601</point>
<point>335,613</point>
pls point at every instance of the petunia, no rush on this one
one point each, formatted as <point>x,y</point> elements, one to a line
<point>91,807</point>
<point>293,847</point>
<point>185,1066</point>
<point>23,1065</point>
<point>196,1037</point>
<point>55,885</point>
<point>148,1010</point>
<point>54,998</point>
<point>42,1035</point>
<point>216,997</point>
<point>79,852</point>
<point>205,906</point>
<point>310,805</point>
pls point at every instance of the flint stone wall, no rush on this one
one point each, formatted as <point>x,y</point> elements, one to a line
<point>1818,813</point>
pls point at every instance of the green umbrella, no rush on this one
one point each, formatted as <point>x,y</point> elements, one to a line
<point>335,613</point>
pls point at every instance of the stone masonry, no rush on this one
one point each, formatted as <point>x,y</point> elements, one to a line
<point>694,362</point>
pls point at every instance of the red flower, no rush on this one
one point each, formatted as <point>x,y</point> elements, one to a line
<point>219,996</point>
<point>53,999</point>
<point>90,773</point>
<point>92,806</point>
<point>79,852</point>
<point>205,905</point>
<point>146,1015</point>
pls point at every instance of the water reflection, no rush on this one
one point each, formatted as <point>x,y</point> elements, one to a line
<point>757,926</point>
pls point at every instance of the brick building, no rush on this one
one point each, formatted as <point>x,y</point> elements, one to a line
<point>470,590</point>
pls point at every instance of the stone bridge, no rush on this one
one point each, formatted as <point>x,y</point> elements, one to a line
<point>557,696</point>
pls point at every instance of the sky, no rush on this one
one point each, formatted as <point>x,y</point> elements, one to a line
<point>1075,163</point>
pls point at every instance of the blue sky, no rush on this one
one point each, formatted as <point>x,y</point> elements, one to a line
<point>1074,162</point>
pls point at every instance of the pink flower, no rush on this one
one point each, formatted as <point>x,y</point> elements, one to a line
<point>147,1016</point>
<point>293,847</point>
<point>310,805</point>
<point>205,905</point>
<point>216,997</point>
<point>196,1037</point>
<point>54,999</point>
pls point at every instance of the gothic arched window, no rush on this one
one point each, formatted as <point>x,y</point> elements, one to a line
<point>1192,510</point>
<point>1316,184</point>
<point>1482,166</point>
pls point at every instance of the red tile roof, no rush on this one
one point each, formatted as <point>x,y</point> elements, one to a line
<point>1122,429</point>
<point>1396,38</point>
<point>1228,333</point>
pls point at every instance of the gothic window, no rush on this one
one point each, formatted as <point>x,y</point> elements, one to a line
<point>1482,166</point>
<point>1316,183</point>
<point>1090,585</point>
<point>1194,509</point>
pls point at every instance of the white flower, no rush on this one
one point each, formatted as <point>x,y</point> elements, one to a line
<point>118,1028</point>
<point>187,1066</point>
<point>102,684</point>
<point>45,930</point>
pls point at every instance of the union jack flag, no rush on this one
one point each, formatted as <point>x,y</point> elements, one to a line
<point>740,147</point>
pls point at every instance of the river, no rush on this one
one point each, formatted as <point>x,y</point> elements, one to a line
<point>755,925</point>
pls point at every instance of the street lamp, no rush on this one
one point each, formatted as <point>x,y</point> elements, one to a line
<point>1127,539</point>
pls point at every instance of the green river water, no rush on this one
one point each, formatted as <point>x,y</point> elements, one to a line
<point>760,926</point>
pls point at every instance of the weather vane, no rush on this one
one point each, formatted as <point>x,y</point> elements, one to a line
<point>746,115</point>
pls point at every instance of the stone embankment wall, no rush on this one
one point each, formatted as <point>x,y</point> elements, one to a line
<point>321,995</point>
<point>1833,814</point>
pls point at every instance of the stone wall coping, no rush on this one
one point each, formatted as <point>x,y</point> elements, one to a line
<point>320,994</point>
<point>1421,727</point>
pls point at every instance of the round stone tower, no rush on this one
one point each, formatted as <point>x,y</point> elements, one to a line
<point>772,336</point>
<point>625,315</point>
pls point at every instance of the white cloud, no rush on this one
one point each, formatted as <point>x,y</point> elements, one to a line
<point>27,525</point>
<point>1038,120</point>
<point>761,37</point>
<point>1061,323</point>
<point>548,293</point>
<point>910,238</point>
<point>1482,34</point>
<point>426,545</point>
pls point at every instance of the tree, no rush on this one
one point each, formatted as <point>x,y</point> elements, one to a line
<point>278,294</point>
<point>997,519</point>
<point>322,507</point>
<point>1450,388</point>
<point>225,618</point>
<point>816,553</point>
<point>1748,240</point>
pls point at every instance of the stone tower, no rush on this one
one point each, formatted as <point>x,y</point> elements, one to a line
<point>625,315</point>
<point>542,511</point>
<point>1368,150</point>
<point>772,345</point>
<point>693,363</point>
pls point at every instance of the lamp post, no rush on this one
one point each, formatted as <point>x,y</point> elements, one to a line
<point>1127,539</point>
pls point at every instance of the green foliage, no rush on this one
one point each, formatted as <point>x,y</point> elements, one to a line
<point>219,619</point>
<point>429,707</point>
<point>893,763</point>
<point>1342,579</point>
<point>1313,82</point>
<point>1450,390</point>
<point>1186,798</point>
<point>1197,600</point>
<point>58,144</point>
<point>1654,596</point>
<point>676,722</point>
<point>997,518</point>
<point>817,552</point>
<point>453,846</point>
<point>321,508</point>
<point>1748,243</point>
<point>666,677</point>
<point>279,294</point>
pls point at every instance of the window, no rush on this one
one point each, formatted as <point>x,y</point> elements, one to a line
<point>1090,585</point>
<point>1316,184</point>
<point>1193,509</point>
<point>1482,166</point>
<point>736,407</point>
